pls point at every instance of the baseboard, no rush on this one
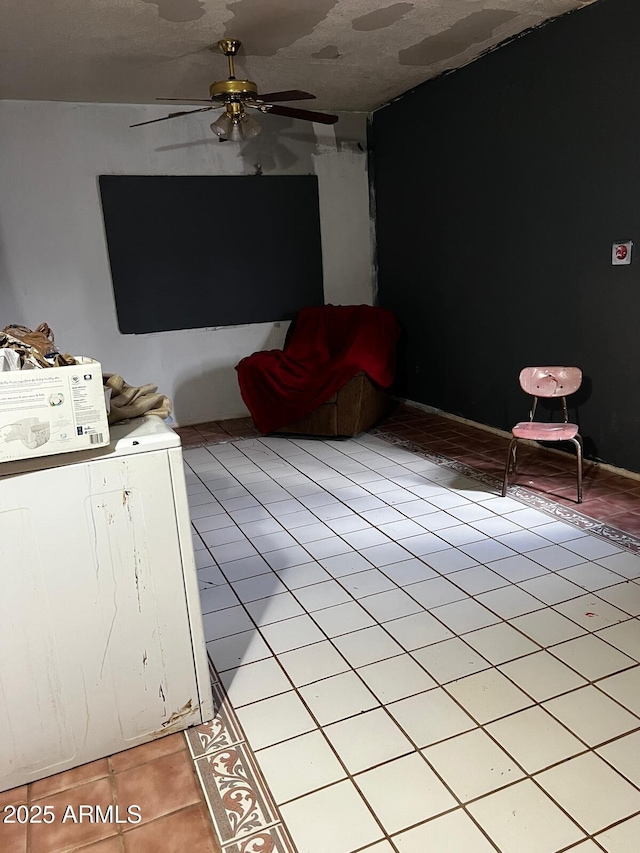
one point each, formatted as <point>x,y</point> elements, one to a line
<point>633,475</point>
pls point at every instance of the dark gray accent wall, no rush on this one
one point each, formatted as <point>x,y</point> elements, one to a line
<point>499,190</point>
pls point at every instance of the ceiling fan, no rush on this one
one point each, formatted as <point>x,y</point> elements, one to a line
<point>235,95</point>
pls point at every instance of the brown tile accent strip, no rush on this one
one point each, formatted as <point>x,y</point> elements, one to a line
<point>221,733</point>
<point>233,788</point>
<point>272,840</point>
<point>532,499</point>
<point>244,814</point>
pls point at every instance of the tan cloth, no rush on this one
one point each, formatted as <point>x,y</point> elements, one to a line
<point>128,401</point>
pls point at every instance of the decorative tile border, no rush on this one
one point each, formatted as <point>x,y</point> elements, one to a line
<point>532,499</point>
<point>243,812</point>
<point>272,840</point>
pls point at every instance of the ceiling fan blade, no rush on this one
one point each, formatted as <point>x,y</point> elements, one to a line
<point>288,95</point>
<point>172,115</point>
<point>187,100</point>
<point>305,115</point>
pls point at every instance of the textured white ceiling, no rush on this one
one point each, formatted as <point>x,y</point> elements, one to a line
<point>352,54</point>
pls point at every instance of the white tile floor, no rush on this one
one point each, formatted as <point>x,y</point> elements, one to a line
<point>418,665</point>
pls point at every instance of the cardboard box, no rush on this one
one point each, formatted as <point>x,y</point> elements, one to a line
<point>53,410</point>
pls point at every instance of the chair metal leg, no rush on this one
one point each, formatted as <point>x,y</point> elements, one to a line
<point>578,443</point>
<point>511,457</point>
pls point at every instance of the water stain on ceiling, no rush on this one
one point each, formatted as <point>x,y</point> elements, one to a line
<point>135,51</point>
<point>381,18</point>
<point>267,27</point>
<point>474,29</point>
<point>178,11</point>
<point>328,52</point>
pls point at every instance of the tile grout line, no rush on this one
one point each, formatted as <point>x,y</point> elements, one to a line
<point>382,568</point>
<point>228,718</point>
<point>530,498</point>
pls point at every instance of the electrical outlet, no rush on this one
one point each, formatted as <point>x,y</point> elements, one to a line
<point>621,253</point>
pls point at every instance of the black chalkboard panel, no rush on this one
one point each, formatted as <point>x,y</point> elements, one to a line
<point>188,252</point>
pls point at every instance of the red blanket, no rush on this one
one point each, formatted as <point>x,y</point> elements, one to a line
<point>327,345</point>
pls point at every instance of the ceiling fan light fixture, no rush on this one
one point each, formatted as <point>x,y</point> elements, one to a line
<point>236,128</point>
<point>222,126</point>
<point>244,128</point>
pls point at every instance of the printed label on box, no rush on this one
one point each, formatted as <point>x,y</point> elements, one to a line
<point>53,410</point>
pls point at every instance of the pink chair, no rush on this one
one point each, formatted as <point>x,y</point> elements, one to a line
<point>547,382</point>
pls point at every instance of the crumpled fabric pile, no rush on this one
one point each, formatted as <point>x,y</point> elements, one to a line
<point>25,349</point>
<point>128,401</point>
<point>33,349</point>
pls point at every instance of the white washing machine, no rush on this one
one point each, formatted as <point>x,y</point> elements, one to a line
<point>101,640</point>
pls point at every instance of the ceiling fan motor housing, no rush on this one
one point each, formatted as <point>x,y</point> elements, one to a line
<point>223,90</point>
